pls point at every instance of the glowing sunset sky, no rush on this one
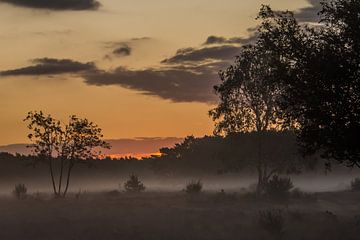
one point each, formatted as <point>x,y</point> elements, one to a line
<point>141,68</point>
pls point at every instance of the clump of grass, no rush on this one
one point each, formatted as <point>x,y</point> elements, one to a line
<point>278,187</point>
<point>20,191</point>
<point>80,194</point>
<point>133,184</point>
<point>273,222</point>
<point>355,184</point>
<point>194,187</point>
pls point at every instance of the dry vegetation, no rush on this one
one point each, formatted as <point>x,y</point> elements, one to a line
<point>151,215</point>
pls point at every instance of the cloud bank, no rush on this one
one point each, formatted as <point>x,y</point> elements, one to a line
<point>178,84</point>
<point>50,66</point>
<point>225,52</point>
<point>57,5</point>
<point>187,76</point>
<point>235,40</point>
<point>123,146</point>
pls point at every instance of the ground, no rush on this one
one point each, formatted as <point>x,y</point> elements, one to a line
<point>115,215</point>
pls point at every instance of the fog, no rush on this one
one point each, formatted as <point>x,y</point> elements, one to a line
<point>309,182</point>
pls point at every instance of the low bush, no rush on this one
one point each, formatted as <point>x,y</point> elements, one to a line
<point>278,187</point>
<point>134,184</point>
<point>20,191</point>
<point>194,187</point>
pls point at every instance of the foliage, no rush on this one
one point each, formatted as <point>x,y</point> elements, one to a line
<point>355,184</point>
<point>248,94</point>
<point>70,143</point>
<point>278,187</point>
<point>273,222</point>
<point>194,187</point>
<point>133,184</point>
<point>20,191</point>
<point>319,70</point>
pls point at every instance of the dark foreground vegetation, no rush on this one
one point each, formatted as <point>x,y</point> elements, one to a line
<point>176,215</point>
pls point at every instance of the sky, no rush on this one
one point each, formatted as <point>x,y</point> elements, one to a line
<point>143,68</point>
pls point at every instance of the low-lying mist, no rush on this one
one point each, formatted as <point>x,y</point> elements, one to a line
<point>97,182</point>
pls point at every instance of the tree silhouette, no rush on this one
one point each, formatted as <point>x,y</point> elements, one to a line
<point>46,137</point>
<point>72,143</point>
<point>248,101</point>
<point>320,73</point>
<point>133,184</point>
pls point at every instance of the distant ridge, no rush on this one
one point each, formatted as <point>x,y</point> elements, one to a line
<point>141,146</point>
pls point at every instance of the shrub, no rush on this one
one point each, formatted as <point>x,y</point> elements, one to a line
<point>134,184</point>
<point>273,222</point>
<point>355,184</point>
<point>20,191</point>
<point>278,187</point>
<point>194,187</point>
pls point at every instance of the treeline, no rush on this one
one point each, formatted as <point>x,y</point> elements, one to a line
<point>206,155</point>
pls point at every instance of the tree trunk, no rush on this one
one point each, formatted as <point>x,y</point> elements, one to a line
<point>259,186</point>
<point>61,174</point>
<point>260,166</point>
<point>52,176</point>
<point>71,165</point>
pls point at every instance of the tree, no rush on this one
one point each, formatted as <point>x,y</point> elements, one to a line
<point>133,184</point>
<point>322,77</point>
<point>46,137</point>
<point>72,143</point>
<point>248,102</point>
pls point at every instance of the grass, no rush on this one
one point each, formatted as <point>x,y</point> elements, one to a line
<point>169,215</point>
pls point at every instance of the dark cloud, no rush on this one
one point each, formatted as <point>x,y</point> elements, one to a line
<point>123,50</point>
<point>235,40</point>
<point>309,14</point>
<point>50,66</point>
<point>56,4</point>
<point>178,84</point>
<point>141,39</point>
<point>184,55</point>
<point>188,76</point>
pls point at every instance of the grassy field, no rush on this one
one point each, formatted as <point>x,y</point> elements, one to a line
<point>151,215</point>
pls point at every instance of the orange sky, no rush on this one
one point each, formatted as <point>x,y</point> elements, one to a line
<point>123,95</point>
